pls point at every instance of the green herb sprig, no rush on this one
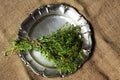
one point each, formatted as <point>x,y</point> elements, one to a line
<point>63,48</point>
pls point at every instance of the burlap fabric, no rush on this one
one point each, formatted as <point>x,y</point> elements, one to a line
<point>104,16</point>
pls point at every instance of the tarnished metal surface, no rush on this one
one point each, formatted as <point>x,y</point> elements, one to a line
<point>45,20</point>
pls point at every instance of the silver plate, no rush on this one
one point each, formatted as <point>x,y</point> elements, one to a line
<point>45,20</point>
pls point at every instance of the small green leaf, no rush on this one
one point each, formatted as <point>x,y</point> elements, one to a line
<point>5,53</point>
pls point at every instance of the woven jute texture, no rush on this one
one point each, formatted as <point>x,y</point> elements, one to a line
<point>104,16</point>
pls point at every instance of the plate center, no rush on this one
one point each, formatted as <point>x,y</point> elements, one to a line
<point>45,26</point>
